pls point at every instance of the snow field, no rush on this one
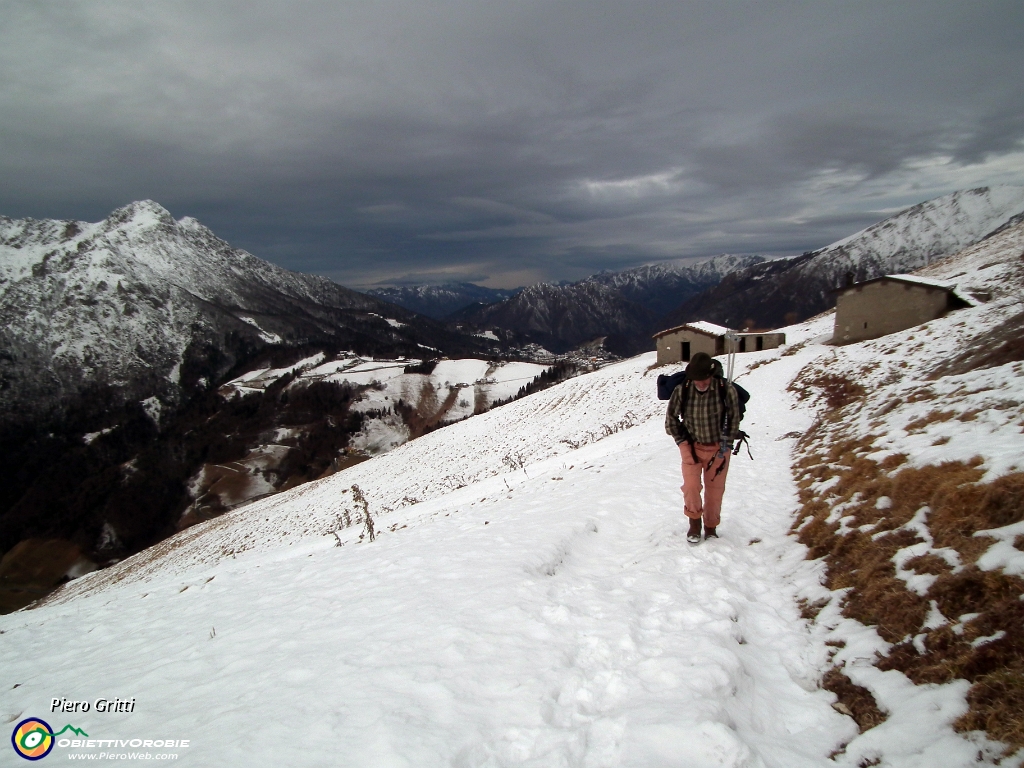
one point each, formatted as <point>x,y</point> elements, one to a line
<point>549,616</point>
<point>469,380</point>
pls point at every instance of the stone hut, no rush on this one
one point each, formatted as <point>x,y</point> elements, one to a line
<point>679,344</point>
<point>755,341</point>
<point>891,303</point>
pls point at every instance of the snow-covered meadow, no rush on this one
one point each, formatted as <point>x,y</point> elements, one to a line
<point>452,391</point>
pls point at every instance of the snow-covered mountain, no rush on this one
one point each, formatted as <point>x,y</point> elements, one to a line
<point>516,589</point>
<point>663,287</point>
<point>621,306</point>
<point>148,306</point>
<point>784,291</point>
<point>439,301</point>
<point>114,337</point>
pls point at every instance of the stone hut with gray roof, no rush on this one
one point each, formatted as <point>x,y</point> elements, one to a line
<point>889,304</point>
<point>679,344</point>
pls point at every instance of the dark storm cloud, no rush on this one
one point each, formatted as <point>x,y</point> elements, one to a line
<point>506,142</point>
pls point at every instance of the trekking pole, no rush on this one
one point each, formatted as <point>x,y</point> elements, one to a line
<point>726,446</point>
<point>734,343</point>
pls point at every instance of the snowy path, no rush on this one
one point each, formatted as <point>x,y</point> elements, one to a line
<point>554,617</point>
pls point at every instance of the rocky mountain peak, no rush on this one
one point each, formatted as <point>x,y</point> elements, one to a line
<point>141,213</point>
<point>146,304</point>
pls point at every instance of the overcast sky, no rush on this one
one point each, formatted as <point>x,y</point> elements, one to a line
<point>507,141</point>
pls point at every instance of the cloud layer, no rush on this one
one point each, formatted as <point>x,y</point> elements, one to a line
<point>506,142</point>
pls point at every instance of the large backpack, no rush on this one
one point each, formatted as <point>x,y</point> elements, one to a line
<point>668,382</point>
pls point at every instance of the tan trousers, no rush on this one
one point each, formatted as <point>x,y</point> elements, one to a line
<point>714,486</point>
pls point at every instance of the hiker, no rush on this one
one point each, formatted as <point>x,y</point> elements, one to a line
<point>704,419</point>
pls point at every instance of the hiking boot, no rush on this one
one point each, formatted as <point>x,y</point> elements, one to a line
<point>693,535</point>
<point>710,533</point>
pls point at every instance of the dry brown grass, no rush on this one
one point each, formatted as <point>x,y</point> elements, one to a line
<point>959,512</point>
<point>934,417</point>
<point>892,461</point>
<point>837,390</point>
<point>854,700</point>
<point>975,591</point>
<point>809,611</point>
<point>930,564</point>
<point>994,666</point>
<point>877,597</point>
<point>988,649</point>
<point>996,705</point>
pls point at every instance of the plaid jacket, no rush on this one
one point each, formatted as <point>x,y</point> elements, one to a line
<point>703,419</point>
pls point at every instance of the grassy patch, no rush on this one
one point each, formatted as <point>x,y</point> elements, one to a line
<point>854,700</point>
<point>836,390</point>
<point>997,706</point>
<point>857,514</point>
<point>809,611</point>
<point>935,417</point>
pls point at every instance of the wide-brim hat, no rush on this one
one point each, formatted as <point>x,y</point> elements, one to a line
<point>699,367</point>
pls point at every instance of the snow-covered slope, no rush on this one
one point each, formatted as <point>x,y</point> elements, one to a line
<point>453,390</point>
<point>767,293</point>
<point>918,235</point>
<point>936,228</point>
<point>139,301</point>
<point>527,596</point>
<point>528,601</point>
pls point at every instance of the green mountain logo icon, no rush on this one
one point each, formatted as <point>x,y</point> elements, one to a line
<point>76,731</point>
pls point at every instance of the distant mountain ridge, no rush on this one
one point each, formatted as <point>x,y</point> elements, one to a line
<point>562,317</point>
<point>440,301</point>
<point>746,291</point>
<point>149,307</point>
<point>621,306</point>
<point>661,288</point>
<point>790,290</point>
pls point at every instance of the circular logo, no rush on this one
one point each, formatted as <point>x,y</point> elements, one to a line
<point>32,739</point>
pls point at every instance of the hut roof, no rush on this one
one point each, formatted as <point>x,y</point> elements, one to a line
<point>700,326</point>
<point>927,282</point>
